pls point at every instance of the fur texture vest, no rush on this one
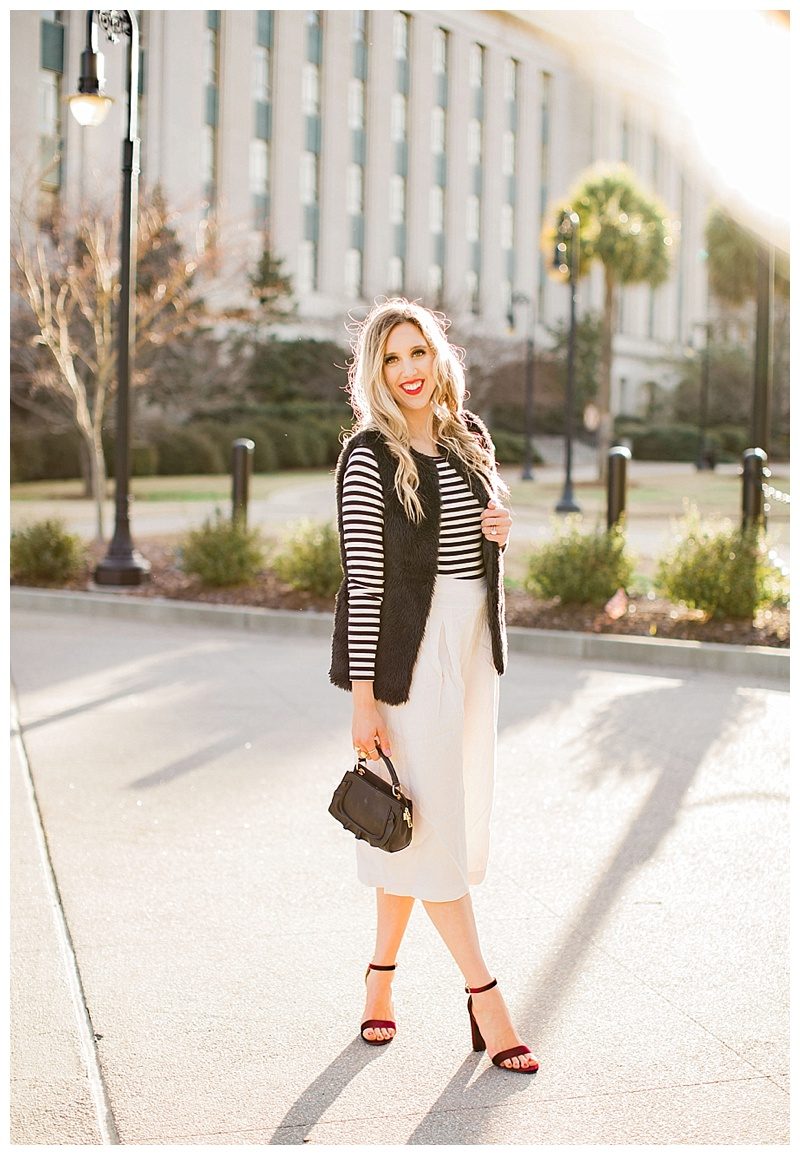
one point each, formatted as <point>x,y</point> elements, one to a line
<point>410,564</point>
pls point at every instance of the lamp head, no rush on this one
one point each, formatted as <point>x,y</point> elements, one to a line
<point>90,105</point>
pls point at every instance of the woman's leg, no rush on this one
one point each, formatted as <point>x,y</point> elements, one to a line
<point>394,911</point>
<point>455,922</point>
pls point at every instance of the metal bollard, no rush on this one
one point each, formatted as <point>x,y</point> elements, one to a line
<point>754,463</point>
<point>618,458</point>
<point>242,460</point>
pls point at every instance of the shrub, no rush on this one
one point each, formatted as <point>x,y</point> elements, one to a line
<point>27,459</point>
<point>309,559</point>
<point>45,552</point>
<point>223,552</point>
<point>580,568</point>
<point>664,442</point>
<point>291,444</point>
<point>183,450</point>
<point>510,448</point>
<point>721,569</point>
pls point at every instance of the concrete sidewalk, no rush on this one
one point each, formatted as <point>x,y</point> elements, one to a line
<point>195,973</point>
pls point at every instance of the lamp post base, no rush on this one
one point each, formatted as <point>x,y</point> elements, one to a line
<point>129,569</point>
<point>567,504</point>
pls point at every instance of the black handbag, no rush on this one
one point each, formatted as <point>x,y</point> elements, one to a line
<point>373,809</point>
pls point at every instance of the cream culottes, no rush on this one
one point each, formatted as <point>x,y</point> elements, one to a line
<point>443,742</point>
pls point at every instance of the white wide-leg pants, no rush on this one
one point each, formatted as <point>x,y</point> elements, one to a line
<point>443,742</point>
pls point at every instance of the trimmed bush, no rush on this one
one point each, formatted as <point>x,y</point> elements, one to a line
<point>45,553</point>
<point>27,459</point>
<point>223,552</point>
<point>719,569</point>
<point>580,568</point>
<point>182,451</point>
<point>309,559</point>
<point>510,448</point>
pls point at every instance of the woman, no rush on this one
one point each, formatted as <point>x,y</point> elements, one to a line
<point>419,638</point>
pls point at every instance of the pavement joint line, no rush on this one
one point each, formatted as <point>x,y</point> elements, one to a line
<point>669,654</point>
<point>590,939</point>
<point>86,1035</point>
<point>426,1112</point>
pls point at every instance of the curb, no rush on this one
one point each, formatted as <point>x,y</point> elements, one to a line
<point>753,661</point>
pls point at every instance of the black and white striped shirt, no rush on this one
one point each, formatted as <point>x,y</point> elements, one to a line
<point>460,553</point>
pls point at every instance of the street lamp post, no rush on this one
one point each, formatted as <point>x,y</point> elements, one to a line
<point>566,259</point>
<point>123,565</point>
<point>703,457</point>
<point>518,298</point>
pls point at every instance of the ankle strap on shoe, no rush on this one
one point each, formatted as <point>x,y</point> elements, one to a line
<point>375,967</point>
<point>480,990</point>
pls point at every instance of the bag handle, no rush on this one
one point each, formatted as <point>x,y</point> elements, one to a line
<point>362,759</point>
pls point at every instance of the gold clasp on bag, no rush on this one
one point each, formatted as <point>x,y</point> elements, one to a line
<point>407,816</point>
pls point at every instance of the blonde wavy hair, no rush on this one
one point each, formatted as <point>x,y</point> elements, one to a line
<point>374,407</point>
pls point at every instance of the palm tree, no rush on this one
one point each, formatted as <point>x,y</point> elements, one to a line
<point>630,234</point>
<point>733,260</point>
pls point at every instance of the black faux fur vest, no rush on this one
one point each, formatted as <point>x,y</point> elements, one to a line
<point>410,563</point>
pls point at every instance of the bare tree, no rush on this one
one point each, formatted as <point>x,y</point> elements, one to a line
<point>66,288</point>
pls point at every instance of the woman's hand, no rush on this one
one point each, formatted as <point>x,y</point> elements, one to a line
<point>496,523</point>
<point>368,723</point>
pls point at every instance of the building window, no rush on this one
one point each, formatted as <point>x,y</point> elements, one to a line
<point>310,89</point>
<point>435,284</point>
<point>400,37</point>
<point>510,80</point>
<point>509,149</point>
<point>50,130</point>
<point>352,272</point>
<point>439,52</point>
<point>437,129</point>
<point>507,227</point>
<point>473,218</point>
<point>306,267</point>
<point>355,103</point>
<point>544,176</point>
<point>259,166</point>
<point>261,79</point>
<point>355,189</point>
<point>208,148</point>
<point>208,163</point>
<point>395,275</point>
<point>308,178</point>
<point>476,66</point>
<point>397,200</point>
<point>437,208</point>
<point>398,116</point>
<point>474,135</point>
<point>472,285</point>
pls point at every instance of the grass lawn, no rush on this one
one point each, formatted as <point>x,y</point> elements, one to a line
<point>192,487</point>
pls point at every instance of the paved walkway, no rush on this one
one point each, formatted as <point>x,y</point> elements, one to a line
<point>196,974</point>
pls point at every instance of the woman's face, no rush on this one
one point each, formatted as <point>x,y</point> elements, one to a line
<point>408,367</point>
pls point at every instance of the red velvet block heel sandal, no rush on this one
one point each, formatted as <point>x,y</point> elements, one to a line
<point>479,1045</point>
<point>376,1023</point>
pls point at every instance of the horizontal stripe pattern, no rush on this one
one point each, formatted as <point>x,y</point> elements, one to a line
<point>460,553</point>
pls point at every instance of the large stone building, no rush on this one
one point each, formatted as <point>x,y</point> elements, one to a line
<point>382,151</point>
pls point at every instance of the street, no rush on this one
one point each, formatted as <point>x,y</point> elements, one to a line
<point>635,911</point>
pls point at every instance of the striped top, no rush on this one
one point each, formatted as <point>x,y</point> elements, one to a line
<point>460,552</point>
